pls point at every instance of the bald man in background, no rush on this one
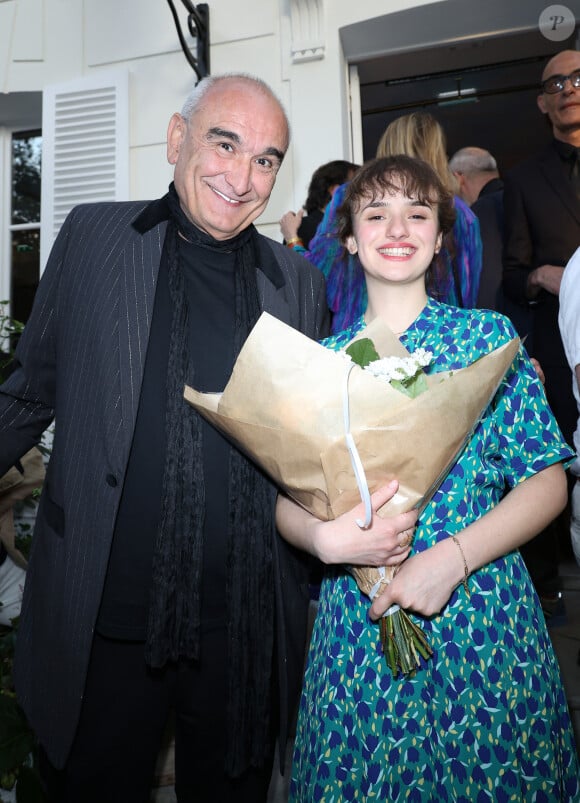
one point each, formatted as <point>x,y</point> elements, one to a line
<point>542,231</point>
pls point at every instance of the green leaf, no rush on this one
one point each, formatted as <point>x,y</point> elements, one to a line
<point>29,786</point>
<point>16,740</point>
<point>411,386</point>
<point>362,352</point>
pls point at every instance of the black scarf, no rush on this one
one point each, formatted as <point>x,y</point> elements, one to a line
<point>175,608</point>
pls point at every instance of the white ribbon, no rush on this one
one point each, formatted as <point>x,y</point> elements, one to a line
<point>393,609</point>
<point>355,460</point>
<point>377,587</point>
<point>362,483</point>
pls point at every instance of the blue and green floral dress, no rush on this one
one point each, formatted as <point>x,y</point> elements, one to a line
<point>486,718</point>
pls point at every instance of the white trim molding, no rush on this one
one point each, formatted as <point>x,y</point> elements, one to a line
<point>307,21</point>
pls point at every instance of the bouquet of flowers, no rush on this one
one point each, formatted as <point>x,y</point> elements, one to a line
<point>329,432</point>
<point>402,640</point>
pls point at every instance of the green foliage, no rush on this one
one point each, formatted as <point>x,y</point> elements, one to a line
<point>10,330</point>
<point>17,745</point>
<point>411,386</point>
<point>16,741</point>
<point>29,788</point>
<point>362,352</point>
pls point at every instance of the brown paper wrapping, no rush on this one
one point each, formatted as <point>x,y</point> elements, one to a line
<point>283,406</point>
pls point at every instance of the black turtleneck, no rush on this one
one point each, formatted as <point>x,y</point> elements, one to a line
<point>209,286</point>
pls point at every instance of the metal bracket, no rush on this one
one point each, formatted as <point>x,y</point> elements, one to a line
<point>198,26</point>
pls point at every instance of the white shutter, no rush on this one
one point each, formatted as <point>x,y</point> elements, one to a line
<point>85,148</point>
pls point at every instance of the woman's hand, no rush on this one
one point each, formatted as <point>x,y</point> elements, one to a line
<point>539,370</point>
<point>424,582</point>
<point>290,223</point>
<point>386,542</point>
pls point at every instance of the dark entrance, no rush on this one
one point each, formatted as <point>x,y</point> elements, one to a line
<point>476,67</point>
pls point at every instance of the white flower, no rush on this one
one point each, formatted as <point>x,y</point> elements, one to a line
<point>400,368</point>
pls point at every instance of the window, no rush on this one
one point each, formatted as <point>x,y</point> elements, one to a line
<point>24,227</point>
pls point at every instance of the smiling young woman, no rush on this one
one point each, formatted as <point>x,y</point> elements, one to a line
<point>457,726</point>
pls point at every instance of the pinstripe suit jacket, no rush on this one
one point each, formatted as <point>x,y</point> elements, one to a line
<point>81,359</point>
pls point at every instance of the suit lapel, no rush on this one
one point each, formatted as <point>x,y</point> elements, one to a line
<point>271,283</point>
<point>138,269</point>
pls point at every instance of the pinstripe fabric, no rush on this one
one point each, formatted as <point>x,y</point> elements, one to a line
<point>82,355</point>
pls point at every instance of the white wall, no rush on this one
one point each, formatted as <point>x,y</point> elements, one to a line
<point>47,41</point>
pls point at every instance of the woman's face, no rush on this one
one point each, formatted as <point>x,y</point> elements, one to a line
<point>395,238</point>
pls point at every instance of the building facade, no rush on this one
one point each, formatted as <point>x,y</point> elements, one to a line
<point>94,85</point>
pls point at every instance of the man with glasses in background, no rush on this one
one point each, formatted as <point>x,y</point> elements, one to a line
<point>542,231</point>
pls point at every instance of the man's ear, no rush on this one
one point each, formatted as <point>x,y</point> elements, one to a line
<point>541,104</point>
<point>460,179</point>
<point>350,244</point>
<point>175,137</point>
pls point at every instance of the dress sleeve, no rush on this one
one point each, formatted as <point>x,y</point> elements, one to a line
<point>529,438</point>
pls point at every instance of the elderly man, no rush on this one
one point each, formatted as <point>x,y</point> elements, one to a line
<point>476,172</point>
<point>481,187</point>
<point>157,580</point>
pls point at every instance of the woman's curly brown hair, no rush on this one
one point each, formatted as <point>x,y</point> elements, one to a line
<point>392,174</point>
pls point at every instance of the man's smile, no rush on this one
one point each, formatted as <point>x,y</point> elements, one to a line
<point>232,201</point>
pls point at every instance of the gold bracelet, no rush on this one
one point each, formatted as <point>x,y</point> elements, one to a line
<point>465,566</point>
<point>294,241</point>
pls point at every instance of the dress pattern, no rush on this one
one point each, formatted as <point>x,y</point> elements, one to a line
<point>485,718</point>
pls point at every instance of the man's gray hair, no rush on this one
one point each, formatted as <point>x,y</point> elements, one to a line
<point>197,94</point>
<point>472,160</point>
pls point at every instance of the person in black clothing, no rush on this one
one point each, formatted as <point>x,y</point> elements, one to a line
<point>542,231</point>
<point>475,170</point>
<point>542,227</point>
<point>481,187</point>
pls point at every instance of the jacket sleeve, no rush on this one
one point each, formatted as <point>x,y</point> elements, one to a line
<point>517,251</point>
<point>569,311</point>
<point>27,396</point>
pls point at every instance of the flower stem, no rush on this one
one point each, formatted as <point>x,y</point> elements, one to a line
<point>403,642</point>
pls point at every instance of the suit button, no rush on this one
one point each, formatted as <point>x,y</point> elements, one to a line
<point>111,480</point>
